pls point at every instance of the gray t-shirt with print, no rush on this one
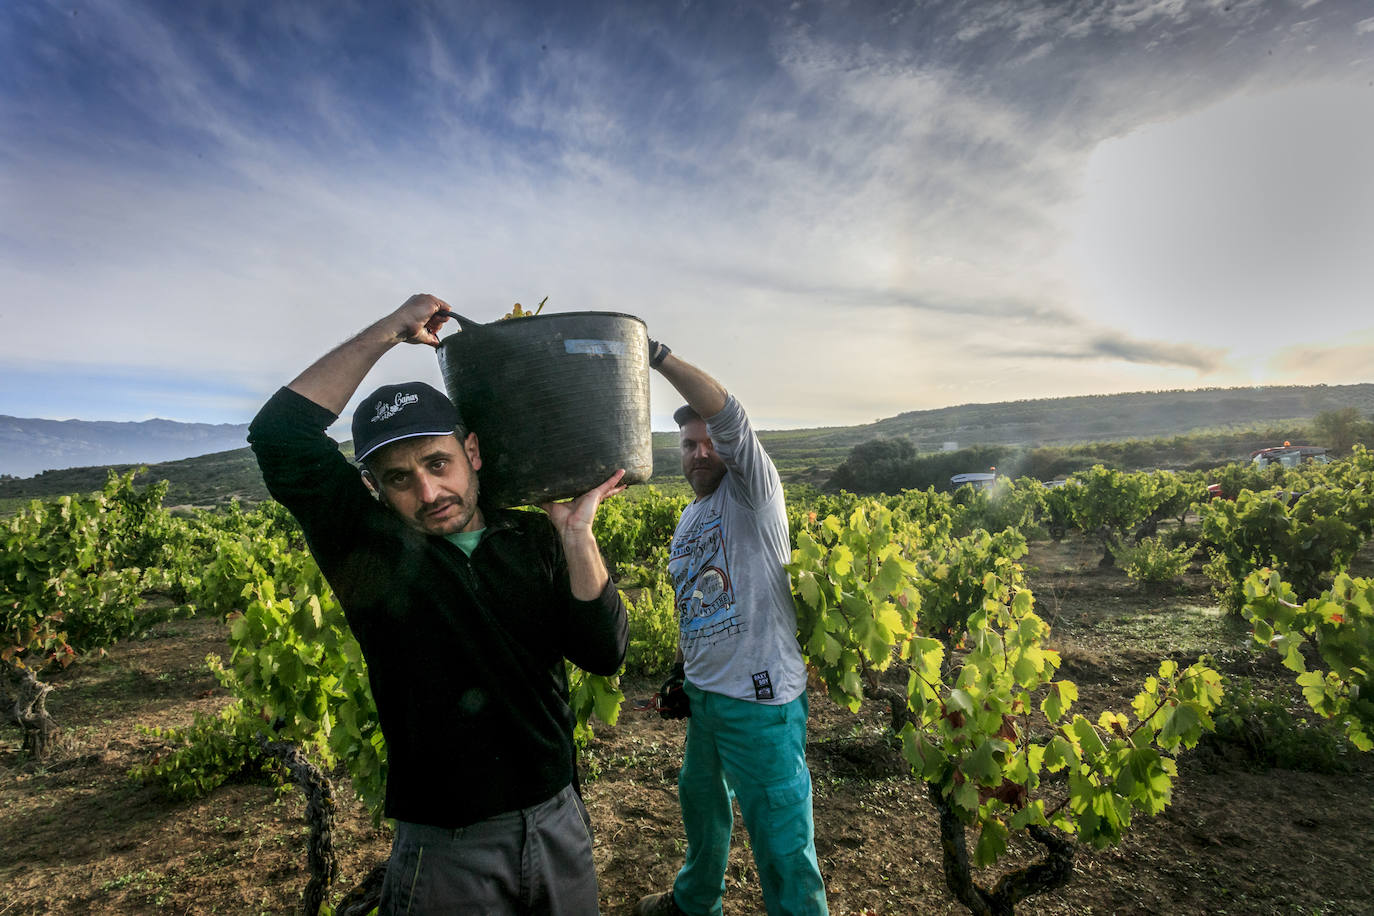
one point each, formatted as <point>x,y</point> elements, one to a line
<point>737,624</point>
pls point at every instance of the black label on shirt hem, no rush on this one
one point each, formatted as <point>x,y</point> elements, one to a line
<point>763,686</point>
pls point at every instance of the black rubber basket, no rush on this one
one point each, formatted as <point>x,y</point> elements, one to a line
<point>558,402</point>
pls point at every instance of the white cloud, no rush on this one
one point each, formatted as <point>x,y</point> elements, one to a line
<point>1245,225</point>
<point>1347,361</point>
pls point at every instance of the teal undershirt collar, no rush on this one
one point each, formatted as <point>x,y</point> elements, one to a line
<point>466,541</point>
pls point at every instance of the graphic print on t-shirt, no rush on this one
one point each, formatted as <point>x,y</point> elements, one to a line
<point>701,580</point>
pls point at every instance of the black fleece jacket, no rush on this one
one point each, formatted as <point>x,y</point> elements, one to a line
<point>464,654</point>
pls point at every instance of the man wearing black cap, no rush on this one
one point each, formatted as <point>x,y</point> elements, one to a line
<point>465,617</point>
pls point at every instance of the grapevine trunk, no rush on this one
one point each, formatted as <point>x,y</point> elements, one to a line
<point>30,709</point>
<point>319,814</point>
<point>1040,877</point>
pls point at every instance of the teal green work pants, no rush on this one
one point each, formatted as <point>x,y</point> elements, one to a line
<point>756,754</point>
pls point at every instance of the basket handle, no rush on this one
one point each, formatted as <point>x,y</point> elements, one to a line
<point>464,324</point>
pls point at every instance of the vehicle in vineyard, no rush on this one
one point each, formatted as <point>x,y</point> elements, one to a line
<point>1286,456</point>
<point>1289,456</point>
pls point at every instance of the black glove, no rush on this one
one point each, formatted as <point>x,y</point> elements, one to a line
<point>671,700</point>
<point>656,353</point>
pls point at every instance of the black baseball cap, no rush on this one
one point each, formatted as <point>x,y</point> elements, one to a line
<point>395,412</point>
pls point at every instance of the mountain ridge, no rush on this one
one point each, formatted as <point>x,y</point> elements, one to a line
<point>810,454</point>
<point>29,445</point>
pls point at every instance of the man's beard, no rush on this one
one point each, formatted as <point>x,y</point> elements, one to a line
<point>705,478</point>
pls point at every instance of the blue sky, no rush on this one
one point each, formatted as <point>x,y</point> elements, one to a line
<point>842,210</point>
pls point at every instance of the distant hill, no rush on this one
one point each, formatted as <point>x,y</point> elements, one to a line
<point>28,446</point>
<point>201,481</point>
<point>1097,418</point>
<point>810,455</point>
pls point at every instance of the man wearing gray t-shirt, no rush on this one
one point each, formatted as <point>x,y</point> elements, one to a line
<point>740,664</point>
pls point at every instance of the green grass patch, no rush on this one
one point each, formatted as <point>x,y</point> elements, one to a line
<point>1185,629</point>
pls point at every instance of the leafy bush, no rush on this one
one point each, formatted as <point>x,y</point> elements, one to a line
<point>878,465</point>
<point>1233,479</point>
<point>69,579</point>
<point>1109,504</point>
<point>1338,628</point>
<point>956,577</point>
<point>73,573</point>
<point>630,530</point>
<point>1154,562</point>
<point>588,694</point>
<point>1006,504</point>
<point>202,756</point>
<point>924,507</point>
<point>653,630</point>
<point>1269,735</point>
<point>1307,541</point>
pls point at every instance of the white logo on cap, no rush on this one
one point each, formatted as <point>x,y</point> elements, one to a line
<point>386,411</point>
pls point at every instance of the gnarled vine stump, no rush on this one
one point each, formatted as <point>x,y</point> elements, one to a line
<point>1047,874</point>
<point>28,708</point>
<point>319,814</point>
<point>364,898</point>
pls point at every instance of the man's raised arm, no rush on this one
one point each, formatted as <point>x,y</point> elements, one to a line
<point>705,395</point>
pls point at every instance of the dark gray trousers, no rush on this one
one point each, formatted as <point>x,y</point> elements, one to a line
<point>533,862</point>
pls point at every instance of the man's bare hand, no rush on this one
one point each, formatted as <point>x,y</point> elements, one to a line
<point>575,516</point>
<point>587,576</point>
<point>419,318</point>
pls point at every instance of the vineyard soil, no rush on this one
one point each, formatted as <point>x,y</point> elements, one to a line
<point>76,836</point>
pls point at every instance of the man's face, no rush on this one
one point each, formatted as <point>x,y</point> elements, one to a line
<point>700,464</point>
<point>430,482</point>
